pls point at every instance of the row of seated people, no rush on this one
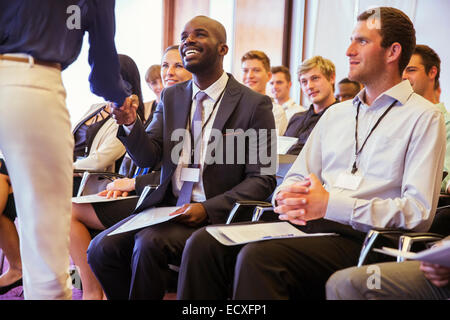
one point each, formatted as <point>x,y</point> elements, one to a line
<point>148,249</point>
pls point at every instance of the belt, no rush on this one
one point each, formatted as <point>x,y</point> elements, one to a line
<point>34,61</point>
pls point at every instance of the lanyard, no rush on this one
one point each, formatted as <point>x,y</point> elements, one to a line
<point>194,143</point>
<point>357,153</point>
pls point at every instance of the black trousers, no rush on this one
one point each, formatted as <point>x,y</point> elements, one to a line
<point>134,265</point>
<point>276,269</point>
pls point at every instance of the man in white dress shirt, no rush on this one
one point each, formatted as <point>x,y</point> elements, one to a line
<point>423,71</point>
<point>255,75</point>
<point>376,162</point>
<point>280,85</point>
<point>411,279</point>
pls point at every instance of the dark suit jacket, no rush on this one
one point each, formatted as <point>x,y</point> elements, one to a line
<point>224,184</point>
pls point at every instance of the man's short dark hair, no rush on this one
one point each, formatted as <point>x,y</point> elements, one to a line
<point>430,59</point>
<point>395,26</point>
<point>355,83</point>
<point>283,70</point>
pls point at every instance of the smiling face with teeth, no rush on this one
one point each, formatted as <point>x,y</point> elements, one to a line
<point>203,46</point>
<point>172,70</point>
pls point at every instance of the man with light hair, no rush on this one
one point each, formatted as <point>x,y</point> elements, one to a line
<point>256,75</point>
<point>316,77</point>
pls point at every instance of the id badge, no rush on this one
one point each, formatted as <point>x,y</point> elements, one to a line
<point>190,174</point>
<point>348,181</point>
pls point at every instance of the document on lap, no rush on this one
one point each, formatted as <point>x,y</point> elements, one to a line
<point>437,255</point>
<point>147,218</point>
<point>230,235</point>
<point>93,198</point>
<point>285,143</point>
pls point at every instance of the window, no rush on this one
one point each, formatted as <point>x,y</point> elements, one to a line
<point>138,35</point>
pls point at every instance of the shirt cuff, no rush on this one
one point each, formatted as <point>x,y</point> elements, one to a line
<point>340,208</point>
<point>128,129</point>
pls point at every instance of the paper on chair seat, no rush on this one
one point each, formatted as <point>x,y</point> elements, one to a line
<point>147,218</point>
<point>230,235</point>
<point>437,255</point>
<point>285,143</point>
<point>93,198</point>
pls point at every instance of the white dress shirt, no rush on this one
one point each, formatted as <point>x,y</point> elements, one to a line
<point>214,93</point>
<point>290,108</point>
<point>401,164</point>
<point>279,115</point>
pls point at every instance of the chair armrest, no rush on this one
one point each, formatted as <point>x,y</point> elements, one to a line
<point>370,239</point>
<point>243,210</point>
<point>90,173</point>
<point>408,239</point>
<point>267,211</point>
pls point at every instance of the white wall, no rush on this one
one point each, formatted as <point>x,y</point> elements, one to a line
<point>330,24</point>
<point>138,35</point>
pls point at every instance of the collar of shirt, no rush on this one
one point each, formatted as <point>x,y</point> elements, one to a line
<point>400,92</point>
<point>442,107</point>
<point>313,112</point>
<point>214,90</point>
<point>288,104</point>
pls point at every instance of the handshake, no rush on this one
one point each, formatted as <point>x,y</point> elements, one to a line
<point>127,113</point>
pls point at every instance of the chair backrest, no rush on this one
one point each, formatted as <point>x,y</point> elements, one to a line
<point>441,222</point>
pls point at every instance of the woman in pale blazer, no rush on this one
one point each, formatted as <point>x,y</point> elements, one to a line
<point>104,148</point>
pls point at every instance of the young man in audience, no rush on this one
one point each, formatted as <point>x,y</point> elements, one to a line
<point>255,75</point>
<point>347,89</point>
<point>280,85</point>
<point>135,264</point>
<point>391,181</point>
<point>423,71</point>
<point>316,77</point>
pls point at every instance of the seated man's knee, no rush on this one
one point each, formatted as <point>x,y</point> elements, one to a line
<point>100,247</point>
<point>346,284</point>
<point>200,241</point>
<point>251,254</point>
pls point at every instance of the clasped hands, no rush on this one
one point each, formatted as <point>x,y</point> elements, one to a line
<point>127,113</point>
<point>302,201</point>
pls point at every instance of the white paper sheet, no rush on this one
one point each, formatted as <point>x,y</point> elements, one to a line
<point>93,198</point>
<point>436,255</point>
<point>239,234</point>
<point>147,218</point>
<point>285,143</point>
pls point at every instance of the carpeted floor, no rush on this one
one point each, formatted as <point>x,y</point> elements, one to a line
<point>17,293</point>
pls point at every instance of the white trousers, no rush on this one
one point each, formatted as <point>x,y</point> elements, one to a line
<point>37,144</point>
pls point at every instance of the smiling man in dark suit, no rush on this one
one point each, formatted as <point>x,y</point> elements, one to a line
<point>134,265</point>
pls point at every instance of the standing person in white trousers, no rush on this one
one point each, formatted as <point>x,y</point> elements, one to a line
<point>38,39</point>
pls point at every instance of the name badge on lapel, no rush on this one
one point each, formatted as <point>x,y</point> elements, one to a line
<point>348,181</point>
<point>190,174</point>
